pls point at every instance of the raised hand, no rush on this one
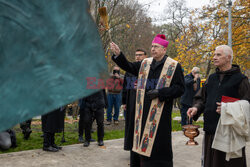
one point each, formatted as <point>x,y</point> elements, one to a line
<point>115,49</point>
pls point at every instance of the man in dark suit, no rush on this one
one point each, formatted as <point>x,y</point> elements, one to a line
<point>192,85</point>
<point>94,105</point>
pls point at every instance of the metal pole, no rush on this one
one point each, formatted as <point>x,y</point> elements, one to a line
<point>230,23</point>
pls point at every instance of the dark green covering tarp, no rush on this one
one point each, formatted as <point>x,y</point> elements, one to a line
<point>47,50</point>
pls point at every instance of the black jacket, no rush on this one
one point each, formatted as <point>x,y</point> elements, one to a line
<point>53,122</point>
<point>97,100</point>
<point>129,98</point>
<point>128,84</point>
<point>81,104</point>
<point>187,97</point>
<point>228,83</point>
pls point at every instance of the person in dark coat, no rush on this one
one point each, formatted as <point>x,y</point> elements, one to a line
<point>226,81</point>
<point>26,129</point>
<point>81,105</point>
<point>94,105</point>
<point>52,123</point>
<point>7,139</point>
<point>192,85</point>
<point>128,101</point>
<point>161,153</point>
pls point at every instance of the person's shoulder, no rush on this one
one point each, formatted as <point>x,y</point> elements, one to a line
<point>244,79</point>
<point>243,76</point>
<point>188,75</point>
<point>178,66</point>
<point>212,75</point>
<point>167,58</point>
<point>148,58</point>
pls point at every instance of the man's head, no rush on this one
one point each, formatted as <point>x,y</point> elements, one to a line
<point>159,47</point>
<point>223,57</point>
<point>140,54</point>
<point>195,70</point>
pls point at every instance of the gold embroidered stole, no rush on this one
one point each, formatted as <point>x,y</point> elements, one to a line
<point>144,147</point>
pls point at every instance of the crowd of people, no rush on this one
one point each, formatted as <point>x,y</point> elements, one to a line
<point>146,93</point>
<point>160,80</point>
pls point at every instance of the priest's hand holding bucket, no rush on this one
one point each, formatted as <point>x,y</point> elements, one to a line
<point>191,131</point>
<point>191,112</point>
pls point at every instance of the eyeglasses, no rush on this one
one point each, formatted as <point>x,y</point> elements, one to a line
<point>139,54</point>
<point>156,46</point>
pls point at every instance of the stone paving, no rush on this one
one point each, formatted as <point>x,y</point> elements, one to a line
<point>111,155</point>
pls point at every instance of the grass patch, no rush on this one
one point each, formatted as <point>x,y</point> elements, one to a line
<point>71,136</point>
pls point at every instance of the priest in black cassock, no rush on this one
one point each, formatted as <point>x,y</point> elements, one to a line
<point>227,81</point>
<point>160,80</point>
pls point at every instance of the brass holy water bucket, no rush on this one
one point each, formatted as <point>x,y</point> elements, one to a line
<point>191,131</point>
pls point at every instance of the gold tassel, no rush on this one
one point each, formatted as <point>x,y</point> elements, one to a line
<point>104,19</point>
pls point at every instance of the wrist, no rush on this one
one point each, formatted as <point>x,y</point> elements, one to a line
<point>117,53</point>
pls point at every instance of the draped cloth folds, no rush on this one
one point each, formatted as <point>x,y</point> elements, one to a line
<point>233,129</point>
<point>48,49</point>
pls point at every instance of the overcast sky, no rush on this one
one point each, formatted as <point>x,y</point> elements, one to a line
<point>156,7</point>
